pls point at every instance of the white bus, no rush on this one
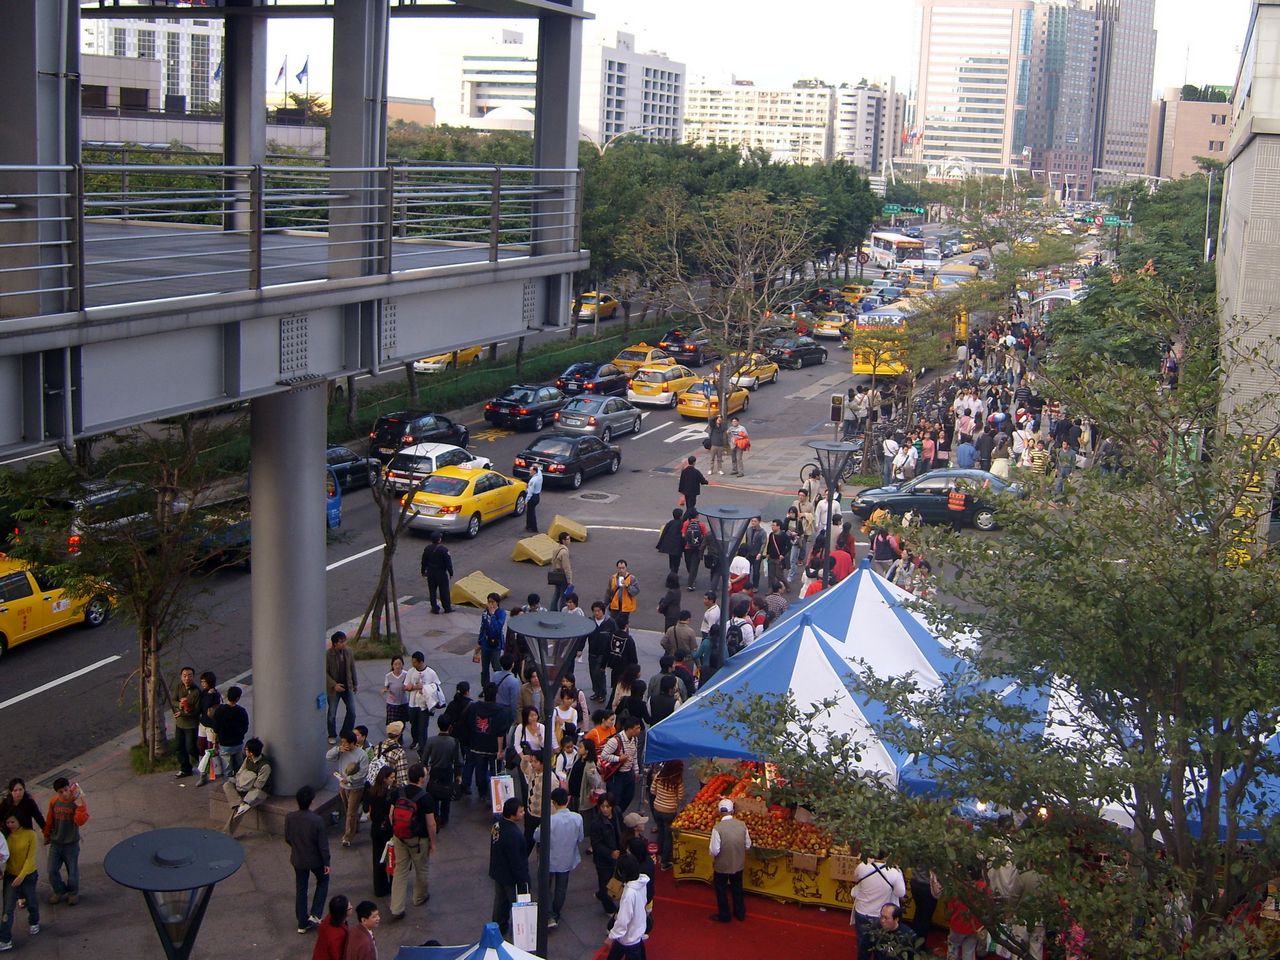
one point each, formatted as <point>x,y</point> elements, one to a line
<point>893,250</point>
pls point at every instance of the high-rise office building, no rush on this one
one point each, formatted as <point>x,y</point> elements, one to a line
<point>1126,51</point>
<point>973,86</point>
<point>189,52</point>
<point>792,124</point>
<point>1063,97</point>
<point>868,124</point>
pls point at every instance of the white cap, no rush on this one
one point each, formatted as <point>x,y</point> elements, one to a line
<point>726,805</point>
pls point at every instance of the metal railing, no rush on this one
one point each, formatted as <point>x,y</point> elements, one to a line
<point>96,234</point>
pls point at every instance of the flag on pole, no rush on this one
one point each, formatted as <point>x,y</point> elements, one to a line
<point>304,71</point>
<point>280,75</point>
<point>217,73</point>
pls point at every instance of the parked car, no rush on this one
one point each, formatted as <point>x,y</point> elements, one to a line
<point>524,405</point>
<point>796,352</point>
<point>33,604</point>
<point>926,497</point>
<point>351,469</point>
<point>567,458</point>
<point>634,357</point>
<point>658,384</point>
<point>701,401</point>
<point>592,305</point>
<point>750,370</point>
<point>688,346</point>
<point>457,500</point>
<point>443,361</point>
<point>603,417</point>
<point>591,376</point>
<point>392,432</point>
<point>980,261</point>
<point>414,464</point>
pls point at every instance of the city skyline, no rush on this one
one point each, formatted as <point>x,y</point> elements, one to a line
<point>1201,50</point>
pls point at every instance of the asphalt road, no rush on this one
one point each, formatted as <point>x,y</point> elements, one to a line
<point>62,694</point>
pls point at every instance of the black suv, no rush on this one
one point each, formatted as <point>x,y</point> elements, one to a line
<point>692,347</point>
<point>394,431</point>
<point>796,352</point>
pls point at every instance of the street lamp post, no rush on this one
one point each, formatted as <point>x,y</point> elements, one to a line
<point>176,870</point>
<point>833,460</point>
<point>554,639</point>
<point>728,524</point>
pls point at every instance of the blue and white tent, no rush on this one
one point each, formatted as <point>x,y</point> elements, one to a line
<point>811,654</point>
<point>491,946</point>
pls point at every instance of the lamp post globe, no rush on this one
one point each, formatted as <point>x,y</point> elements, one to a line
<point>728,525</point>
<point>554,639</point>
<point>176,870</point>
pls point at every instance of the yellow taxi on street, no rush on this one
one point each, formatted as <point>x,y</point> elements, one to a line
<point>658,384</point>
<point>829,325</point>
<point>461,499</point>
<point>854,292</point>
<point>32,605</point>
<point>641,354</point>
<point>751,370</point>
<point>443,361</point>
<point>701,402</point>
<point>596,306</point>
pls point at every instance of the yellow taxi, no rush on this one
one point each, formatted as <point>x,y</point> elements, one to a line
<point>32,605</point>
<point>752,370</point>
<point>461,499</point>
<point>915,288</point>
<point>658,384</point>
<point>701,402</point>
<point>829,325</point>
<point>854,292</point>
<point>640,355</point>
<point>967,245</point>
<point>596,306</point>
<point>443,361</point>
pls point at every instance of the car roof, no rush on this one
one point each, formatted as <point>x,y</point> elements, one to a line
<point>428,449</point>
<point>664,363</point>
<point>461,473</point>
<point>553,435</point>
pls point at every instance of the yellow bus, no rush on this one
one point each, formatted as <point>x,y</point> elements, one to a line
<point>954,274</point>
<point>878,360</point>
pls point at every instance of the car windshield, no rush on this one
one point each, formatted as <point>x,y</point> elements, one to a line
<point>518,395</point>
<point>552,448</point>
<point>589,298</point>
<point>650,376</point>
<point>445,486</point>
<point>410,464</point>
<point>583,406</point>
<point>634,355</point>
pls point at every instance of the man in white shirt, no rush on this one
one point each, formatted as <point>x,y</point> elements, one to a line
<point>739,622</point>
<point>710,619</point>
<point>730,842</point>
<point>874,885</point>
<point>888,450</point>
<point>532,495</point>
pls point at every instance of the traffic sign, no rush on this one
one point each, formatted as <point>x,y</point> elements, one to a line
<point>891,208</point>
<point>864,257</point>
<point>919,210</point>
<point>1097,221</point>
<point>1111,220</point>
<point>1126,223</point>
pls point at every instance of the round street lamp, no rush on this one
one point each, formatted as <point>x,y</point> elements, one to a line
<point>176,870</point>
<point>833,460</point>
<point>554,639</point>
<point>728,524</point>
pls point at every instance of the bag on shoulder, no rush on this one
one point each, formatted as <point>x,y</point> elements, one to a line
<point>617,650</point>
<point>607,768</point>
<point>557,578</point>
<point>376,763</point>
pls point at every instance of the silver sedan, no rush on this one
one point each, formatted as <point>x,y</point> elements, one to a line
<point>603,417</point>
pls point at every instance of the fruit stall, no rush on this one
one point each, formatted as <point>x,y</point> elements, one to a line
<point>790,859</point>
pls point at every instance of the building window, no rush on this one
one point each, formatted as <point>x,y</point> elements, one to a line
<point>118,42</point>
<point>172,64</point>
<point>199,70</point>
<point>147,44</point>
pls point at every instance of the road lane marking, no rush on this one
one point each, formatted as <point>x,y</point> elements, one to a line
<point>355,556</point>
<point>661,426</point>
<point>55,683</point>
<point>694,431</point>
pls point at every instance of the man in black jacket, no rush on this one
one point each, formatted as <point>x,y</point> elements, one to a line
<point>304,832</point>
<point>598,649</point>
<point>508,862</point>
<point>230,724</point>
<point>753,549</point>
<point>437,567</point>
<point>984,444</point>
<point>671,540</point>
<point>605,834</point>
<point>485,723</point>
<point>691,483</point>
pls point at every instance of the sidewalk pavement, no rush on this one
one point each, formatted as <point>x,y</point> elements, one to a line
<point>251,914</point>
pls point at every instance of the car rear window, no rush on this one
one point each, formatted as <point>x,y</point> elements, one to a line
<point>445,486</point>
<point>583,406</point>
<point>518,396</point>
<point>410,464</point>
<point>552,448</point>
<point>580,370</point>
<point>702,388</point>
<point>652,376</point>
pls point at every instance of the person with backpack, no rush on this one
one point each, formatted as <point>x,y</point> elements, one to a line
<point>622,651</point>
<point>413,838</point>
<point>671,540</point>
<point>739,630</point>
<point>693,533</point>
<point>884,550</point>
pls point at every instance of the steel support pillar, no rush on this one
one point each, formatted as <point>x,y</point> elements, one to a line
<point>287,444</point>
<point>244,106</point>
<point>555,144</point>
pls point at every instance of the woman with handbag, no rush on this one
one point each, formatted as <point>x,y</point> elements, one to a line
<point>586,786</point>
<point>560,575</point>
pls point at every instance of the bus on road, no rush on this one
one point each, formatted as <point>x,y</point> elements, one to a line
<point>891,251</point>
<point>889,324</point>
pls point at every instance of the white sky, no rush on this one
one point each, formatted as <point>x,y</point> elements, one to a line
<point>770,43</point>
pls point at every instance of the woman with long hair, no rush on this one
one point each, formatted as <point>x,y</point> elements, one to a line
<point>668,795</point>
<point>331,935</point>
<point>586,785</point>
<point>377,803</point>
<point>18,802</point>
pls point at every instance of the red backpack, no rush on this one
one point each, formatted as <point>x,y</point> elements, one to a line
<point>404,817</point>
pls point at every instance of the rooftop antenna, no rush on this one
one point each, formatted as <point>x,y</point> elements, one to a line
<point>1186,67</point>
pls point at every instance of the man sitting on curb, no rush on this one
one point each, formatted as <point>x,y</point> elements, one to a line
<point>249,787</point>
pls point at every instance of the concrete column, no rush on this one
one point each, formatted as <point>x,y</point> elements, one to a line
<point>287,444</point>
<point>555,145</point>
<point>244,102</point>
<point>358,131</point>
<point>39,125</point>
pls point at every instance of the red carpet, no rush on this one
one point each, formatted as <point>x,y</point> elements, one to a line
<point>682,930</point>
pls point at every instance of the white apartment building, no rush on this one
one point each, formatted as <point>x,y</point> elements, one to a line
<point>794,125</point>
<point>973,85</point>
<point>868,124</point>
<point>188,50</point>
<point>624,90</point>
